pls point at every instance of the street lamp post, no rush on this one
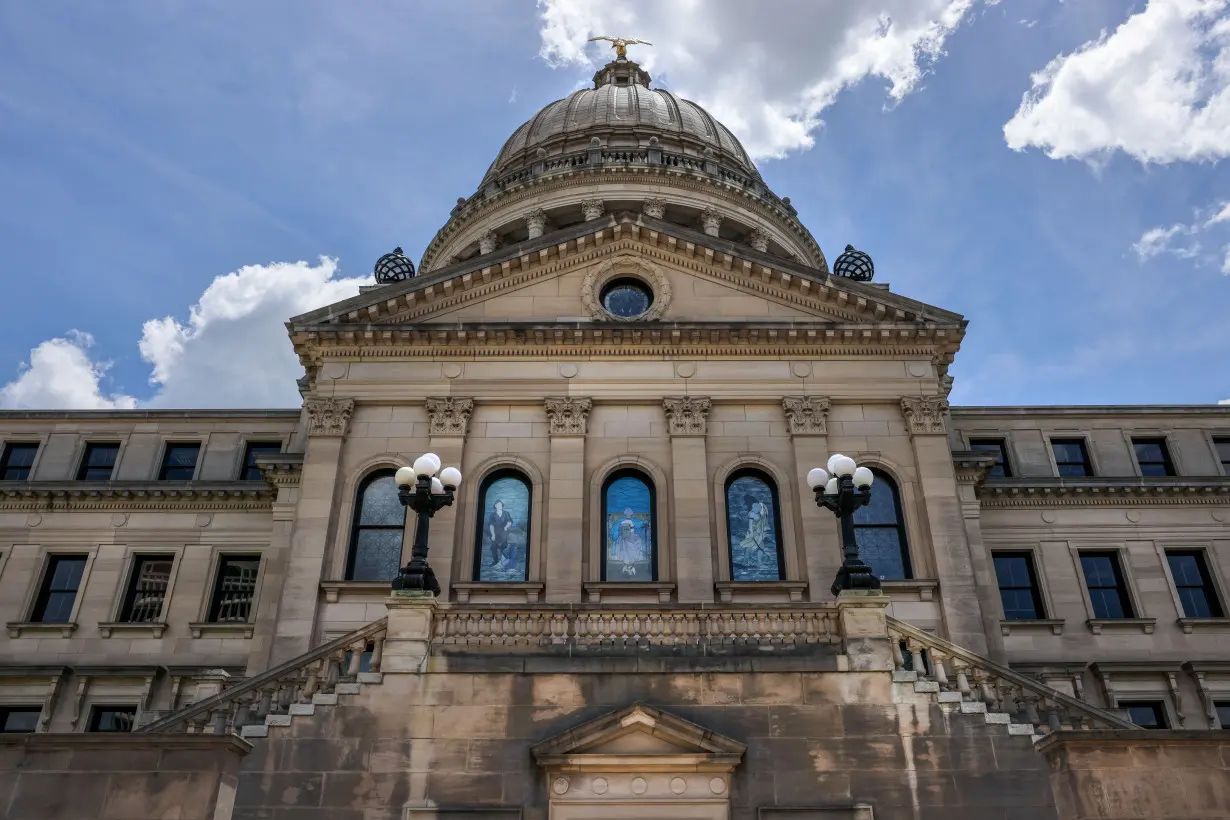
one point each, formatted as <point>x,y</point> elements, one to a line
<point>419,489</point>
<point>842,489</point>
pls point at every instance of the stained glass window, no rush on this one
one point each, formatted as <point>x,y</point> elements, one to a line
<point>879,530</point>
<point>753,528</point>
<point>503,538</point>
<point>630,552</point>
<point>380,521</point>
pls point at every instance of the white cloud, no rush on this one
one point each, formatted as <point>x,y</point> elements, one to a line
<point>1157,241</point>
<point>1180,240</point>
<point>1222,215</point>
<point>231,352</point>
<point>768,71</point>
<point>1157,88</point>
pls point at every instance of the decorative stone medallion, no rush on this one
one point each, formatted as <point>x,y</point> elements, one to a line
<point>600,785</point>
<point>560,786</point>
<point>626,267</point>
<point>678,785</point>
<point>639,785</point>
<point>34,519</point>
<point>717,785</point>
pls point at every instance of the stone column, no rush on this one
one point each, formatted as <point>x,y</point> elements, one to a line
<point>536,222</point>
<point>488,242</point>
<point>807,418</point>
<point>328,420</point>
<point>450,418</point>
<point>686,421</point>
<point>711,220</point>
<point>592,209</point>
<point>970,474</point>
<point>959,603</point>
<point>567,418</point>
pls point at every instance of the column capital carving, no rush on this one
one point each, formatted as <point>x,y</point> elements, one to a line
<point>328,416</point>
<point>711,220</point>
<point>593,209</point>
<point>488,242</point>
<point>654,207</point>
<point>567,415</point>
<point>449,416</point>
<point>536,222</point>
<point>687,415</point>
<point>759,240</point>
<point>807,415</point>
<point>925,415</point>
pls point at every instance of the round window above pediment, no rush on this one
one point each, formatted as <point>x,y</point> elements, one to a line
<point>627,298</point>
<point>626,289</point>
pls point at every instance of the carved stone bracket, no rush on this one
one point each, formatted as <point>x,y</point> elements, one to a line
<point>592,209</point>
<point>536,222</point>
<point>925,415</point>
<point>449,416</point>
<point>687,415</point>
<point>807,415</point>
<point>328,416</point>
<point>653,207</point>
<point>567,416</point>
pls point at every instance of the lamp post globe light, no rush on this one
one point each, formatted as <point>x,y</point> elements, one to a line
<point>420,489</point>
<point>842,489</point>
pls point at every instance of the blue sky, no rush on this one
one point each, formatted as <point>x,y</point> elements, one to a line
<point>149,149</point>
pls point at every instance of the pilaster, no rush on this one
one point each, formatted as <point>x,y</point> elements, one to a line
<point>862,621</point>
<point>449,420</point>
<point>567,419</point>
<point>285,473</point>
<point>970,472</point>
<point>686,421</point>
<point>807,420</point>
<point>412,618</point>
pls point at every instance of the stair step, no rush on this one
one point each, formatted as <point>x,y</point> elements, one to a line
<point>277,720</point>
<point>302,709</point>
<point>973,708</point>
<point>998,717</point>
<point>371,677</point>
<point>904,677</point>
<point>1020,729</point>
<point>927,686</point>
<point>254,730</point>
<point>346,689</point>
<point>322,699</point>
<point>950,697</point>
<point>1036,738</point>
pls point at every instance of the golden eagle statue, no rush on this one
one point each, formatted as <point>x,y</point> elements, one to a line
<point>620,44</point>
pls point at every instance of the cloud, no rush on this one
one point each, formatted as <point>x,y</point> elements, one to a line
<point>232,350</point>
<point>1180,240</point>
<point>1157,241</point>
<point>1157,89</point>
<point>768,71</point>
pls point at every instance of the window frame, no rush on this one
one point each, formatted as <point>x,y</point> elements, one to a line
<point>132,566</point>
<point>83,460</point>
<point>1218,705</point>
<point>97,710</point>
<point>1158,704</point>
<point>753,471</point>
<point>1128,597</point>
<point>1001,443</point>
<point>42,591</point>
<point>6,449</point>
<point>907,563</point>
<point>355,527</point>
<point>178,442</point>
<point>215,576</point>
<point>1041,611</point>
<point>1213,585</point>
<point>248,444</point>
<point>1091,467</point>
<point>480,504</point>
<point>1168,462</point>
<point>608,479</point>
<point>1215,436</point>
<point>25,708</point>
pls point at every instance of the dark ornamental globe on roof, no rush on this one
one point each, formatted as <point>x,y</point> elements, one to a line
<point>393,267</point>
<point>854,264</point>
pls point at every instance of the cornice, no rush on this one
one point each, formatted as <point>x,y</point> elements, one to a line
<point>281,469</point>
<point>149,415</point>
<point>1104,492</point>
<point>972,466</point>
<point>1222,410</point>
<point>135,495</point>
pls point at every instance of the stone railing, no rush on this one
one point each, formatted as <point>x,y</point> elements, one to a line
<point>280,690</point>
<point>962,676</point>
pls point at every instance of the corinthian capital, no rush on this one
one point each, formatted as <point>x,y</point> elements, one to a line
<point>567,416</point>
<point>488,242</point>
<point>711,220</point>
<point>807,415</point>
<point>536,222</point>
<point>925,415</point>
<point>449,416</point>
<point>686,416</point>
<point>328,416</point>
<point>592,209</point>
<point>654,207</point>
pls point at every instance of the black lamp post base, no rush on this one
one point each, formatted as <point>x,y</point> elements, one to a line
<point>414,578</point>
<point>855,575</point>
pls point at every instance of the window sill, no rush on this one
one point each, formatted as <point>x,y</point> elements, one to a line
<point>1145,625</point>
<point>65,630</point>
<point>335,589</point>
<point>149,630</point>
<point>529,592</point>
<point>791,590</point>
<point>924,587</point>
<point>659,591</point>
<point>1190,624</point>
<point>228,628</point>
<point>1026,624</point>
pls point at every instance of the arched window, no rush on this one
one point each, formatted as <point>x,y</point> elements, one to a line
<point>375,537</point>
<point>502,541</point>
<point>629,528</point>
<point>753,527</point>
<point>879,531</point>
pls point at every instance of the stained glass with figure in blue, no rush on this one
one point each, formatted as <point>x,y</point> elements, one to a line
<point>879,531</point>
<point>752,527</point>
<point>628,515</point>
<point>504,534</point>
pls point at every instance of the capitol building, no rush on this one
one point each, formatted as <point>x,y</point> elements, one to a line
<point>635,354</point>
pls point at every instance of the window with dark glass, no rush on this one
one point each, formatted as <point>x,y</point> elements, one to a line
<point>113,718</point>
<point>250,471</point>
<point>630,535</point>
<point>377,531</point>
<point>19,719</point>
<point>997,447</point>
<point>1223,713</point>
<point>1147,714</point>
<point>1194,584</point>
<point>1153,456</point>
<point>1018,586</point>
<point>54,604</point>
<point>147,589</point>
<point>16,461</point>
<point>753,527</point>
<point>98,461</point>
<point>1107,589</point>
<point>626,298</point>
<point>1223,453</point>
<point>179,461</point>
<point>234,589</point>
<point>1071,457</point>
<point>879,531</point>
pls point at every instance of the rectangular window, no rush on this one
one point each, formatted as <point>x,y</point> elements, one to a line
<point>1223,453</point>
<point>1071,457</point>
<point>1153,456</point>
<point>54,604</point>
<point>1194,584</point>
<point>19,719</point>
<point>179,462</point>
<point>1147,714</point>
<point>234,589</point>
<point>147,589</point>
<point>113,718</point>
<point>250,471</point>
<point>998,447</point>
<point>1107,589</point>
<point>1223,713</point>
<point>1018,586</point>
<point>98,462</point>
<point>16,462</point>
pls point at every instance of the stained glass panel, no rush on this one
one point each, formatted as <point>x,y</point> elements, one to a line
<point>628,511</point>
<point>504,530</point>
<point>751,522</point>
<point>377,555</point>
<point>380,504</point>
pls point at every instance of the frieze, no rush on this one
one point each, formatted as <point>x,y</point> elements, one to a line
<point>54,496</point>
<point>449,416</point>
<point>568,416</point>
<point>328,416</point>
<point>807,415</point>
<point>925,415</point>
<point>687,415</point>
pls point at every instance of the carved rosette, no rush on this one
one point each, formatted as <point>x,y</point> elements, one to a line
<point>655,208</point>
<point>925,415</point>
<point>686,416</point>
<point>759,240</point>
<point>711,221</point>
<point>807,415</point>
<point>567,416</point>
<point>536,222</point>
<point>449,416</point>
<point>488,242</point>
<point>328,416</point>
<point>592,209</point>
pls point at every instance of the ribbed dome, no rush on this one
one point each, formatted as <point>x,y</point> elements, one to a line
<point>624,113</point>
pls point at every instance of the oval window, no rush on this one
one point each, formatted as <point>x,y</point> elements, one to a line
<point>626,298</point>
